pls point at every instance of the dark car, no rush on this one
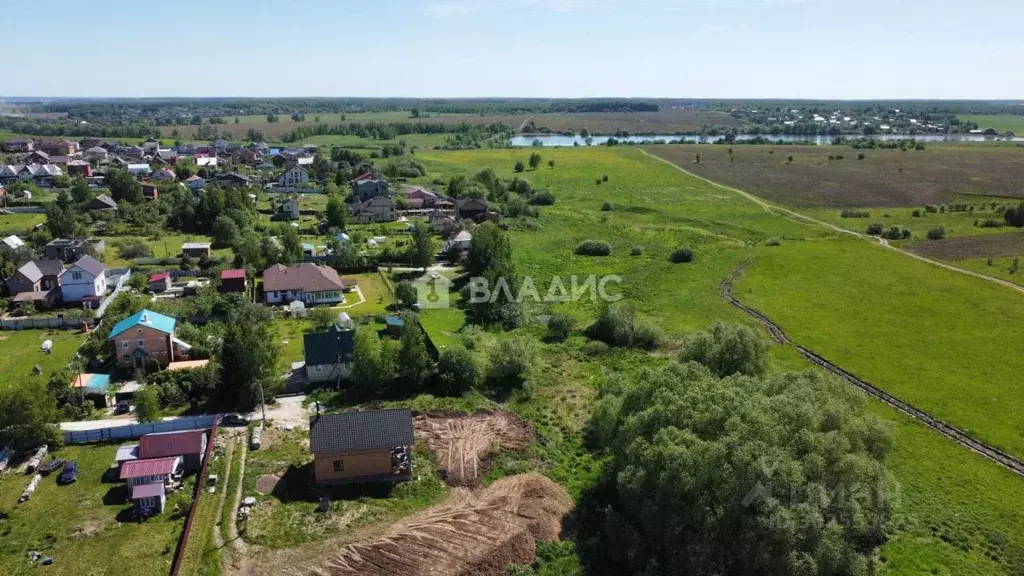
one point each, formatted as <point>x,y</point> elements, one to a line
<point>234,419</point>
<point>123,407</point>
<point>69,474</point>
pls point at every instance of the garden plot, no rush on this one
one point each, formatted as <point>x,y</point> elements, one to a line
<point>462,444</point>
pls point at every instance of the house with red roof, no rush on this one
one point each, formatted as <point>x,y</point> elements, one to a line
<point>159,282</point>
<point>189,445</point>
<point>233,281</point>
<point>152,471</point>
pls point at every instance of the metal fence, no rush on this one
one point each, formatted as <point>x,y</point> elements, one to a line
<point>34,323</point>
<point>133,431</point>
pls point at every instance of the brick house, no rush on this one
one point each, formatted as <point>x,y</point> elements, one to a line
<point>146,339</point>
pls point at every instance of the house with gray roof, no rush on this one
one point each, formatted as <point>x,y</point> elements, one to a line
<point>36,281</point>
<point>368,446</point>
<point>85,281</point>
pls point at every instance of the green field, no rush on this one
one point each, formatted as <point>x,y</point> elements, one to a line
<point>955,223</point>
<point>356,142</point>
<point>22,352</point>
<point>87,526</point>
<point>901,324</point>
<point>19,224</point>
<point>1001,122</point>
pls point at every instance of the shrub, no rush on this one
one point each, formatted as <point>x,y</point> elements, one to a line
<point>1014,215</point>
<point>607,207</point>
<point>605,178</point>
<point>543,198</point>
<point>931,208</point>
<point>520,166</point>
<point>896,233</point>
<point>560,327</point>
<point>132,250</point>
<point>406,293</point>
<point>598,181</point>
<point>916,213</point>
<point>861,156</point>
<point>595,348</point>
<point>457,372</point>
<point>991,223</point>
<point>728,349</point>
<point>636,251</point>
<point>875,228</point>
<point>509,361</point>
<point>593,248</point>
<point>774,242</point>
<point>854,214</point>
<point>619,326</point>
<point>681,255</point>
<point>937,233</point>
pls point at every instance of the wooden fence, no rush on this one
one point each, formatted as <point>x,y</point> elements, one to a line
<point>179,554</point>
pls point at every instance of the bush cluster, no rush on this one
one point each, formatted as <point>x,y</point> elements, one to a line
<point>594,248</point>
<point>618,326</point>
<point>854,214</point>
<point>681,255</point>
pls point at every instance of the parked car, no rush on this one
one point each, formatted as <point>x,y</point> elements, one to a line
<point>50,467</point>
<point>234,419</point>
<point>69,474</point>
<point>123,407</point>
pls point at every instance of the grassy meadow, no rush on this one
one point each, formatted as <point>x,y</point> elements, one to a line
<point>19,224</point>
<point>21,353</point>
<point>936,338</point>
<point>1001,122</point>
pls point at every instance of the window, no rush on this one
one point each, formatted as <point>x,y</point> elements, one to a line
<point>318,369</point>
<point>125,356</point>
<point>124,343</point>
<point>339,465</point>
<point>142,342</point>
<point>76,275</point>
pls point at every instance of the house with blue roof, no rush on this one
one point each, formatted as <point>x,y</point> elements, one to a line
<point>145,340</point>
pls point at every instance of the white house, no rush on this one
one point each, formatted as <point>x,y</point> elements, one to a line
<point>13,242</point>
<point>86,279</point>
<point>139,169</point>
<point>294,176</point>
<point>307,283</point>
<point>462,240</point>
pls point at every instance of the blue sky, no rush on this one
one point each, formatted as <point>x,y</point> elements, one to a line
<point>856,49</point>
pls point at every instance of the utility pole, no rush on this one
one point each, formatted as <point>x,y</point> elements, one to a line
<point>263,404</point>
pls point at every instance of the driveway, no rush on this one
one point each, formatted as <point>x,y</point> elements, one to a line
<point>287,411</point>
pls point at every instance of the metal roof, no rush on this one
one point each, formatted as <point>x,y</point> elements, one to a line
<point>330,347</point>
<point>153,467</point>
<point>164,444</point>
<point>144,318</point>
<point>357,431</point>
<point>147,491</point>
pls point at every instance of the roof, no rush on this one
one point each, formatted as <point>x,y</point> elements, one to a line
<point>147,490</point>
<point>100,382</point>
<point>463,236</point>
<point>307,277</point>
<point>145,318</point>
<point>164,444</point>
<point>103,202</point>
<point>34,270</point>
<point>232,274</point>
<point>126,453</point>
<point>153,467</point>
<point>158,277</point>
<point>195,245</point>
<point>187,365</point>
<point>13,241</point>
<point>394,321</point>
<point>349,282</point>
<point>331,347</point>
<point>356,431</point>
<point>91,265</point>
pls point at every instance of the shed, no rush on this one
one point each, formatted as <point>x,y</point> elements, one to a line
<point>370,446</point>
<point>233,281</point>
<point>149,498</point>
<point>394,325</point>
<point>159,282</point>
<point>126,453</point>
<point>94,386</point>
<point>196,249</point>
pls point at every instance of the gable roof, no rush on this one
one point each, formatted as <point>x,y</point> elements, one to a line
<point>154,490</point>
<point>331,347</point>
<point>356,431</point>
<point>164,444</point>
<point>464,203</point>
<point>155,467</point>
<point>34,270</point>
<point>307,277</point>
<point>103,202</point>
<point>91,265</point>
<point>145,318</point>
<point>13,241</point>
<point>158,277</point>
<point>232,274</point>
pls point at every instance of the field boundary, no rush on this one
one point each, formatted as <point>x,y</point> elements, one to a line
<point>179,554</point>
<point>949,431</point>
<point>770,208</point>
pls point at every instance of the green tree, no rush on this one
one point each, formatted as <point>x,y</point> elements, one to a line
<point>337,213</point>
<point>62,218</point>
<point>421,251</point>
<point>80,190</point>
<point>406,294</point>
<point>728,349</point>
<point>414,362</point>
<point>458,372</point>
<point>291,244</point>
<point>123,186</point>
<point>509,363</point>
<point>520,166</point>
<point>535,160</point>
<point>367,367</point>
<point>224,232</point>
<point>490,248</point>
<point>248,360</point>
<point>147,405</point>
<point>744,475</point>
<point>322,318</point>
<point>28,417</point>
<point>551,164</point>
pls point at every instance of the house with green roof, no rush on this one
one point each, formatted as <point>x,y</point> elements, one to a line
<point>145,340</point>
<point>329,354</point>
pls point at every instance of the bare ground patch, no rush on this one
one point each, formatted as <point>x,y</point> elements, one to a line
<point>478,533</point>
<point>462,444</point>
<point>988,246</point>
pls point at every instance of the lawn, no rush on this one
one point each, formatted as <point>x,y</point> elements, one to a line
<point>22,352</point>
<point>353,141</point>
<point>19,224</point>
<point>87,526</point>
<point>940,340</point>
<point>956,224</point>
<point>287,517</point>
<point>885,178</point>
<point>167,246</point>
<point>1001,122</point>
<point>202,555</point>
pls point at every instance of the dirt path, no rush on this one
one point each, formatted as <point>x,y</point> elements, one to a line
<point>771,209</point>
<point>947,430</point>
<point>218,540</point>
<point>236,562</point>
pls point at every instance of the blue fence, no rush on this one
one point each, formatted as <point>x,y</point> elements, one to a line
<point>133,431</point>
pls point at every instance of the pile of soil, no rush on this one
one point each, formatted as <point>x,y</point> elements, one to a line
<point>463,444</point>
<point>477,535</point>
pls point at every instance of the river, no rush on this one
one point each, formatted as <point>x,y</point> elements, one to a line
<point>555,140</point>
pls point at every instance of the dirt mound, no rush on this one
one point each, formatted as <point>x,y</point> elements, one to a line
<point>265,484</point>
<point>462,444</point>
<point>477,535</point>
